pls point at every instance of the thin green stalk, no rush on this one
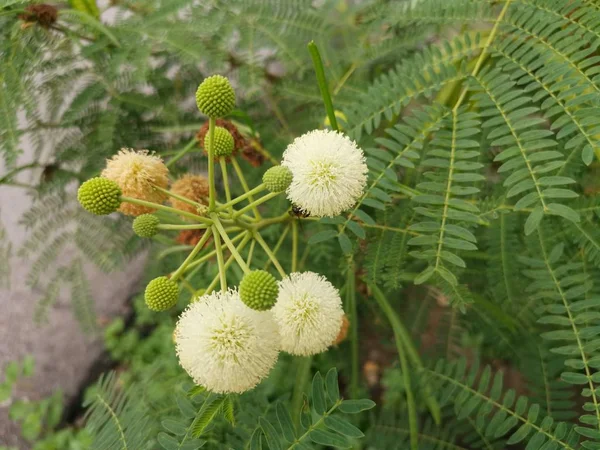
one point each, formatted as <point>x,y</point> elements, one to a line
<point>322,82</point>
<point>182,152</point>
<point>315,425</point>
<point>285,217</point>
<point>223,165</point>
<point>294,246</point>
<point>240,174</point>
<point>16,170</point>
<point>302,370</point>
<point>181,198</point>
<point>220,261</point>
<point>250,253</point>
<point>405,345</point>
<point>219,227</point>
<point>483,53</point>
<point>278,245</point>
<point>212,253</point>
<point>228,263</point>
<point>211,164</point>
<point>269,253</point>
<point>179,212</point>
<point>261,187</point>
<point>410,400</point>
<point>175,249</point>
<point>170,226</point>
<point>352,311</point>
<point>256,202</point>
<point>192,255</point>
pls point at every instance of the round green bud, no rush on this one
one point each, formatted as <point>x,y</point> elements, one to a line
<point>215,96</point>
<point>99,196</point>
<point>258,290</point>
<point>146,225</point>
<point>223,142</point>
<point>161,294</point>
<point>277,179</point>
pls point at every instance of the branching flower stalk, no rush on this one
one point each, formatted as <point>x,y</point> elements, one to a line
<point>322,173</point>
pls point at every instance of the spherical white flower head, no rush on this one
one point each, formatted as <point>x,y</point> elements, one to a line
<point>329,172</point>
<point>309,313</point>
<point>224,345</point>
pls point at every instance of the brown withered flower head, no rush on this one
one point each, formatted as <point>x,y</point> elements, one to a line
<point>194,187</point>
<point>343,331</point>
<point>43,14</point>
<point>251,154</point>
<point>191,237</point>
<point>246,147</point>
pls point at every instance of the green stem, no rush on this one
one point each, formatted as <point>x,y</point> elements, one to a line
<point>302,370</point>
<point>285,217</point>
<point>223,165</point>
<point>16,170</point>
<point>315,425</point>
<point>228,263</point>
<point>241,198</point>
<point>322,82</point>
<point>256,202</point>
<point>220,261</point>
<point>269,253</point>
<point>192,255</point>
<point>240,174</point>
<point>181,198</point>
<point>250,253</point>
<point>169,226</point>
<point>211,164</point>
<point>294,246</point>
<point>219,227</point>
<point>277,245</point>
<point>404,345</point>
<point>182,152</point>
<point>152,205</point>
<point>410,400</point>
<point>175,249</point>
<point>483,53</point>
<point>212,253</point>
<point>351,308</point>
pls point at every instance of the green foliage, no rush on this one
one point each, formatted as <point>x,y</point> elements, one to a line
<point>113,418</point>
<point>476,236</point>
<point>476,393</point>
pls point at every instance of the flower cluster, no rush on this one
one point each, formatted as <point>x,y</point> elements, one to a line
<point>226,345</point>
<point>329,172</point>
<point>229,341</point>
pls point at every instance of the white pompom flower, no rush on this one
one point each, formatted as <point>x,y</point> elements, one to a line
<point>329,172</point>
<point>224,345</point>
<point>308,312</point>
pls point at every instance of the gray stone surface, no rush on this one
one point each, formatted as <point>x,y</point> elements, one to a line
<point>63,353</point>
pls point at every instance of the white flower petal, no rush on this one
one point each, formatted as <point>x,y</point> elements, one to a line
<point>308,312</point>
<point>329,172</point>
<point>224,345</point>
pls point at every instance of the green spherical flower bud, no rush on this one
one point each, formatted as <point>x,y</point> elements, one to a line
<point>215,96</point>
<point>223,142</point>
<point>161,294</point>
<point>258,290</point>
<point>99,196</point>
<point>277,179</point>
<point>146,225</point>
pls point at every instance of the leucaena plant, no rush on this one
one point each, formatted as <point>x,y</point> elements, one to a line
<point>229,337</point>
